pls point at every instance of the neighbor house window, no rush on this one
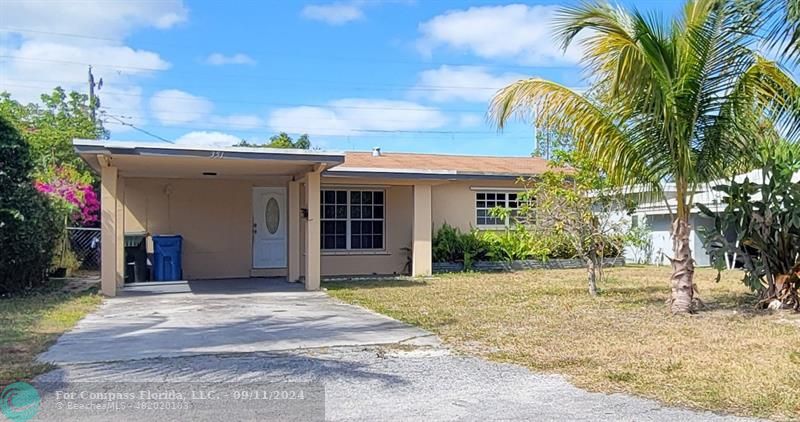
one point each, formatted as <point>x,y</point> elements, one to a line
<point>485,202</point>
<point>352,219</point>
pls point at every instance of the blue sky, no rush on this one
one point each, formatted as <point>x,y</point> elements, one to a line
<point>353,74</point>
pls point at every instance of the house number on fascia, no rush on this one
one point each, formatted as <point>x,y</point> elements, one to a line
<point>217,154</point>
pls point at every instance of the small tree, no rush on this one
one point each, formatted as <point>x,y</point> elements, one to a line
<point>639,240</point>
<point>764,215</point>
<point>281,140</point>
<point>50,126</point>
<point>580,206</point>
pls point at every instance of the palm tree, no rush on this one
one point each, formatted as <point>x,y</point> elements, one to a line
<point>677,101</point>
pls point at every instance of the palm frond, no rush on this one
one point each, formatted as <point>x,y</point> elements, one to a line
<point>556,107</point>
<point>783,31</point>
<point>681,100</point>
<point>774,91</point>
<point>713,39</point>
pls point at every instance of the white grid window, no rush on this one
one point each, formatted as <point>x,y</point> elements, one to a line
<point>352,219</point>
<point>485,202</point>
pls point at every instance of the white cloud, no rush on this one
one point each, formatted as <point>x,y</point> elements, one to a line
<point>462,83</point>
<point>219,59</point>
<point>39,66</point>
<point>92,18</point>
<point>207,139</point>
<point>352,116</point>
<point>40,57</point>
<point>516,31</point>
<point>334,13</point>
<point>173,107</point>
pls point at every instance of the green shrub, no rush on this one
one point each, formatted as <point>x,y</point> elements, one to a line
<point>517,243</point>
<point>28,223</point>
<point>508,245</point>
<point>764,215</point>
<point>474,248</point>
<point>451,245</point>
<point>447,244</point>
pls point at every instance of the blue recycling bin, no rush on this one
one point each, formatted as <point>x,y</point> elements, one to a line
<point>167,257</point>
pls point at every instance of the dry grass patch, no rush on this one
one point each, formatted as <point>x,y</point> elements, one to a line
<point>29,324</point>
<point>726,358</point>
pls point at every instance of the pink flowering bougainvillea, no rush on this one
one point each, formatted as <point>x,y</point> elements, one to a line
<point>77,195</point>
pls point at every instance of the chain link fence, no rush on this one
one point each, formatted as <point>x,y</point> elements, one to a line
<point>85,242</point>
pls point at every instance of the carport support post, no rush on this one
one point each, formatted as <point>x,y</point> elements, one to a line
<point>422,258</point>
<point>312,230</point>
<point>109,249</point>
<point>120,231</point>
<point>294,231</point>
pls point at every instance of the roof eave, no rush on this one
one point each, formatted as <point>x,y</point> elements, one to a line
<point>90,148</point>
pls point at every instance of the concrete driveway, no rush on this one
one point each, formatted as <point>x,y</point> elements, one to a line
<point>181,336</point>
<point>223,316</point>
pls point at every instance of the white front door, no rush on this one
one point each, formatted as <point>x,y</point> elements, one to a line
<point>269,227</point>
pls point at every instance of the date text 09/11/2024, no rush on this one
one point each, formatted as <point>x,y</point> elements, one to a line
<point>177,395</point>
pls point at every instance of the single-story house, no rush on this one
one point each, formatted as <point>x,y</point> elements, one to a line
<point>655,216</point>
<point>299,214</point>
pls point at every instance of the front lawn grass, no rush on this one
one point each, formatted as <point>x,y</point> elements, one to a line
<point>29,324</point>
<point>726,358</point>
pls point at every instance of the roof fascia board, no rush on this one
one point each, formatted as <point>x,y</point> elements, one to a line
<point>391,174</point>
<point>226,153</point>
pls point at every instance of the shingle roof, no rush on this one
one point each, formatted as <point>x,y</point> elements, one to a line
<point>461,164</point>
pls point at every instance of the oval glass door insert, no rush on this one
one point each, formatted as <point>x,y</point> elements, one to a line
<point>272,216</point>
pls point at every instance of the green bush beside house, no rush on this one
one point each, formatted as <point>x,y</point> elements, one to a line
<point>513,244</point>
<point>29,223</point>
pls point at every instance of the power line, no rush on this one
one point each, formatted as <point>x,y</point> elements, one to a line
<point>302,82</point>
<point>165,125</point>
<point>59,34</point>
<point>228,120</point>
<point>308,56</point>
<point>37,59</point>
<point>306,82</point>
<point>124,123</point>
<point>267,103</point>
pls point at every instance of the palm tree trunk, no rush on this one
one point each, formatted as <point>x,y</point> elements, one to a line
<point>682,267</point>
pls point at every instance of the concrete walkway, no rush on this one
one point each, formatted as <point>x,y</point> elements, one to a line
<point>223,316</point>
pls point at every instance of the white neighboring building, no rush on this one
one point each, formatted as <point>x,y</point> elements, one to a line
<point>657,218</point>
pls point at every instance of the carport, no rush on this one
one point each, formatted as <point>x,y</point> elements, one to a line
<point>242,212</point>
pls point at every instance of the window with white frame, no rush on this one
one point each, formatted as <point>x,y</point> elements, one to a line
<point>486,201</point>
<point>352,219</point>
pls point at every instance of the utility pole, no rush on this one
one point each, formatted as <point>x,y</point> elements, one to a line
<point>94,102</point>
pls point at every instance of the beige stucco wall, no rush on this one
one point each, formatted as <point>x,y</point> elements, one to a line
<point>398,220</point>
<point>213,216</point>
<point>451,202</point>
<point>454,202</point>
